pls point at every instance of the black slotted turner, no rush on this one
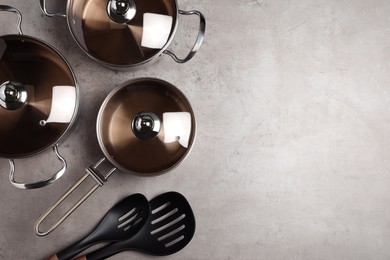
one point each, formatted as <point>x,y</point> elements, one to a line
<point>168,229</point>
<point>121,222</point>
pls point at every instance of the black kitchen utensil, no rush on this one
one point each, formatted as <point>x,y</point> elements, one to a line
<point>169,228</point>
<point>121,222</point>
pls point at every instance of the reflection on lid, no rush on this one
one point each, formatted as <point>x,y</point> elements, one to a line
<point>156,30</point>
<point>62,106</point>
<point>177,127</point>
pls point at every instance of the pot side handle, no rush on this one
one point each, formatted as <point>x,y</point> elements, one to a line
<point>91,172</point>
<point>39,184</point>
<point>199,39</point>
<point>7,8</point>
<point>42,4</point>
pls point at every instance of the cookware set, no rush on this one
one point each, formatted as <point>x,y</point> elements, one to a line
<point>145,126</point>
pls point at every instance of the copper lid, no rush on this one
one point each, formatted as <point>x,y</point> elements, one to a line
<point>146,126</point>
<point>30,70</point>
<point>113,32</point>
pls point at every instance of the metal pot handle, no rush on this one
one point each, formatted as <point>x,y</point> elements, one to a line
<point>7,8</point>
<point>42,3</point>
<point>199,39</point>
<point>39,184</point>
<point>92,172</point>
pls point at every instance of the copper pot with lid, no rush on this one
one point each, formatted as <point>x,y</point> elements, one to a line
<point>126,33</point>
<point>38,100</point>
<point>145,126</point>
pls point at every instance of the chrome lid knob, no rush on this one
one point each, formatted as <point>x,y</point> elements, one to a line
<point>120,7</point>
<point>121,11</point>
<point>13,95</point>
<point>146,125</point>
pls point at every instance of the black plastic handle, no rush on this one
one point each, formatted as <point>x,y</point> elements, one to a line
<point>76,248</point>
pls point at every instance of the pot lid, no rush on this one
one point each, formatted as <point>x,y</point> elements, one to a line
<point>122,32</point>
<point>37,96</point>
<point>146,126</point>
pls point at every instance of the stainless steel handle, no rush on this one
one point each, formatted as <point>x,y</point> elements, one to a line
<point>92,172</point>
<point>199,39</point>
<point>11,9</point>
<point>42,3</point>
<point>39,184</point>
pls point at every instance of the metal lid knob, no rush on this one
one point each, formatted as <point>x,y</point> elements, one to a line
<point>146,125</point>
<point>121,11</point>
<point>13,95</point>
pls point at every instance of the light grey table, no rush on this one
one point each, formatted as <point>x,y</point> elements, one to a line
<point>291,161</point>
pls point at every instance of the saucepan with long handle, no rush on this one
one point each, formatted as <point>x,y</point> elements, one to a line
<point>145,126</point>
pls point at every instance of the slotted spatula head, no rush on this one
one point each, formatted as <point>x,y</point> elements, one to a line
<point>169,228</point>
<point>121,222</point>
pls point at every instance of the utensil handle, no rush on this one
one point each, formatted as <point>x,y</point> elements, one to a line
<point>91,171</point>
<point>7,8</point>
<point>105,252</point>
<point>39,184</point>
<point>42,3</point>
<point>199,38</point>
<point>71,251</point>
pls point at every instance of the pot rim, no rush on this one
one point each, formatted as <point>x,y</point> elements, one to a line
<point>118,66</point>
<point>75,112</point>
<point>99,132</point>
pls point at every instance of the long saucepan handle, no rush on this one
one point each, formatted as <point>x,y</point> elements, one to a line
<point>199,38</point>
<point>91,172</point>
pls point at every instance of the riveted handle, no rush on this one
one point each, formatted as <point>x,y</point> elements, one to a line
<point>7,8</point>
<point>39,184</point>
<point>199,38</point>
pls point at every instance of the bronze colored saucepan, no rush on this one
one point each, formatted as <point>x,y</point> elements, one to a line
<point>145,126</point>
<point>38,100</point>
<point>126,33</point>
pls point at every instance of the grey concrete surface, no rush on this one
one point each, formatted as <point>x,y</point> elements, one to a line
<point>292,153</point>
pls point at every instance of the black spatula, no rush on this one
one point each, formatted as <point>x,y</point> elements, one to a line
<point>121,222</point>
<point>169,228</point>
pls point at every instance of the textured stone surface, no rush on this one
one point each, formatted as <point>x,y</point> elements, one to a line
<point>292,154</point>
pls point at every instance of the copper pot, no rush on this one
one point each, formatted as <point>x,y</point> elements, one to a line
<point>126,33</point>
<point>145,126</point>
<point>38,100</point>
